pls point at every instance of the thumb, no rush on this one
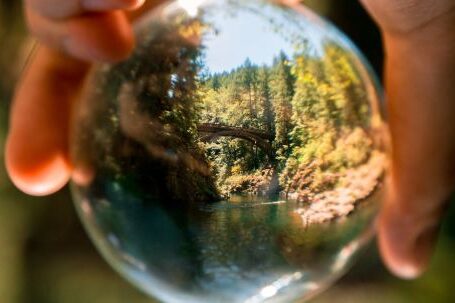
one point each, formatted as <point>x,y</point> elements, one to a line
<point>419,76</point>
<point>407,231</point>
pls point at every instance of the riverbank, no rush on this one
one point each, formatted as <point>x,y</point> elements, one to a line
<point>260,183</point>
<point>354,186</point>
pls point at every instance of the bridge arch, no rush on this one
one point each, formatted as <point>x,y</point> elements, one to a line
<point>209,132</point>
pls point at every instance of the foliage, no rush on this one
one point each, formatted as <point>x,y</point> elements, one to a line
<point>304,118</point>
<point>313,107</point>
<point>143,111</point>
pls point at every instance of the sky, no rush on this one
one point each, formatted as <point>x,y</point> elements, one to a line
<point>243,36</point>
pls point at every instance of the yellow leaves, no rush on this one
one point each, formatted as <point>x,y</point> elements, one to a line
<point>236,170</point>
<point>339,64</point>
<point>352,149</point>
<point>193,31</point>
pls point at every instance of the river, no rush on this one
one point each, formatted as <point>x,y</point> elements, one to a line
<point>222,252</point>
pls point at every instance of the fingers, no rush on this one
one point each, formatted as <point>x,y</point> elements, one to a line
<point>408,230</point>
<point>405,17</point>
<point>56,9</point>
<point>419,78</point>
<point>37,144</point>
<point>90,30</point>
<point>420,72</point>
<point>91,37</point>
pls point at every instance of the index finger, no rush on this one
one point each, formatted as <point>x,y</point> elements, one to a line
<point>57,9</point>
<point>37,144</point>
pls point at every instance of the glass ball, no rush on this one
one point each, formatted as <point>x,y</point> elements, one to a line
<point>236,156</point>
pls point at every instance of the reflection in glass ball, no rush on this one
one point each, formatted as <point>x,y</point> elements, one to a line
<point>236,156</point>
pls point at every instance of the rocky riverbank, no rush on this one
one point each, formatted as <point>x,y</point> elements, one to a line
<point>354,185</point>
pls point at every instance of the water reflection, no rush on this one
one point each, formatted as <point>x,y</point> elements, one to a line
<point>228,249</point>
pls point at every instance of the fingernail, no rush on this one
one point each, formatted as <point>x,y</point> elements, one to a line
<point>393,250</point>
<point>398,263</point>
<point>406,250</point>
<point>406,272</point>
<point>420,255</point>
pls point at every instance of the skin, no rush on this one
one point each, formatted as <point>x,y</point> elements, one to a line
<point>419,75</point>
<point>420,72</point>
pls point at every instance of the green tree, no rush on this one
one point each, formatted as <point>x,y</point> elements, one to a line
<point>347,89</point>
<point>282,87</point>
<point>266,100</point>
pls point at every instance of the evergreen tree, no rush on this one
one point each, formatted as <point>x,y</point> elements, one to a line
<point>266,100</point>
<point>282,86</point>
<point>348,91</point>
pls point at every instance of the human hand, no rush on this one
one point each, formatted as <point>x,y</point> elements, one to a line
<point>420,72</point>
<point>73,33</point>
<point>420,77</point>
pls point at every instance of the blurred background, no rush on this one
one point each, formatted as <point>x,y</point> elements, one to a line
<point>46,257</point>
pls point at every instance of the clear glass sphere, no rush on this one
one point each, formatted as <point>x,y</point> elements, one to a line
<point>236,156</point>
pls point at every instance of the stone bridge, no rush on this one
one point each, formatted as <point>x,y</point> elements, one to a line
<point>211,131</point>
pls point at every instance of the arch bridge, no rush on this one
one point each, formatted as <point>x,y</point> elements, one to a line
<point>211,131</point>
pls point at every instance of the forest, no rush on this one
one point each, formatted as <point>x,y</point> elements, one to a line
<point>301,128</point>
<point>293,127</point>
